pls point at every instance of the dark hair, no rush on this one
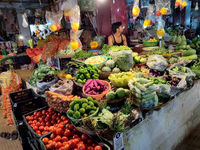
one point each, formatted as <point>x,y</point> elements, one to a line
<point>115,26</point>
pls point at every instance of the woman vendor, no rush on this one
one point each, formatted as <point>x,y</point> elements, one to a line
<point>117,38</point>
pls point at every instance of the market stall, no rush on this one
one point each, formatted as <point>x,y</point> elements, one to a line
<point>107,96</point>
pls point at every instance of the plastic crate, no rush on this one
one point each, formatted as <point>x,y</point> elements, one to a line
<point>63,62</point>
<point>96,140</point>
<point>22,96</point>
<point>21,60</point>
<point>21,108</point>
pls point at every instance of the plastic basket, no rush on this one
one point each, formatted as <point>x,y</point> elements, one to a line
<point>150,44</point>
<point>106,58</point>
<point>100,96</point>
<point>95,52</point>
<point>120,82</point>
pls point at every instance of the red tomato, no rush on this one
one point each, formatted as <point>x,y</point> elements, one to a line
<point>59,131</point>
<point>44,132</point>
<point>58,27</point>
<point>40,119</point>
<point>51,145</point>
<point>64,139</point>
<point>75,130</point>
<point>66,146</point>
<point>75,136</point>
<point>58,138</point>
<point>158,13</point>
<point>90,148</point>
<point>34,121</point>
<point>43,123</point>
<point>59,121</point>
<point>38,132</point>
<point>54,130</point>
<point>66,121</point>
<point>67,133</point>
<point>41,128</point>
<point>31,118</point>
<point>47,146</point>
<point>35,113</point>
<point>38,124</point>
<point>81,147</point>
<point>62,148</point>
<point>46,128</point>
<point>97,147</point>
<point>30,122</point>
<point>45,140</point>
<point>35,118</point>
<point>35,128</point>
<point>58,145</point>
<point>53,121</point>
<point>48,124</point>
<point>84,137</point>
<point>39,114</point>
<point>63,118</point>
<point>44,112</point>
<point>71,127</point>
<point>50,109</point>
<point>90,141</point>
<point>72,143</point>
<point>94,144</point>
<point>75,149</point>
<point>49,116</point>
<point>53,136</point>
<point>32,125</point>
<point>54,117</point>
<point>58,118</point>
<point>59,114</point>
<point>28,118</point>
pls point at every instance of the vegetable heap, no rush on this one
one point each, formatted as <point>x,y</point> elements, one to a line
<point>138,59</point>
<point>196,44</point>
<point>41,72</point>
<point>180,69</point>
<point>82,55</point>
<point>95,87</point>
<point>159,51</point>
<point>82,107</point>
<point>90,72</point>
<point>173,81</point>
<point>143,91</point>
<point>95,60</point>
<point>110,66</point>
<point>120,93</point>
<point>157,80</point>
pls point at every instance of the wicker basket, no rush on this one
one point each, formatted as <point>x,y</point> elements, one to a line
<point>105,75</point>
<point>79,84</point>
<point>65,56</point>
<point>114,101</point>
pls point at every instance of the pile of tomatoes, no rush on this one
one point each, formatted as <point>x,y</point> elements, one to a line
<point>68,138</point>
<point>43,121</point>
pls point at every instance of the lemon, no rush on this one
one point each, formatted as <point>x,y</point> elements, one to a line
<point>146,23</point>
<point>163,11</point>
<point>183,4</point>
<point>53,28</point>
<point>68,76</point>
<point>161,32</point>
<point>136,11</point>
<point>75,26</point>
<point>74,45</point>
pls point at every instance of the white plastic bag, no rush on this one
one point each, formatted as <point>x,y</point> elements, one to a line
<point>157,62</point>
<point>44,84</point>
<point>136,9</point>
<point>189,72</point>
<point>181,85</point>
<point>24,18</point>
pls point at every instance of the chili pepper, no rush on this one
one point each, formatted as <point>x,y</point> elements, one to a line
<point>161,80</point>
<point>79,81</point>
<point>95,76</point>
<point>88,76</point>
<point>82,77</point>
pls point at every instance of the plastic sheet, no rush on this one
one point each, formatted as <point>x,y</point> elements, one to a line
<point>136,9</point>
<point>160,30</point>
<point>157,62</point>
<point>123,59</point>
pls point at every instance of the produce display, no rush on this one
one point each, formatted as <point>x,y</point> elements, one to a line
<point>119,93</point>
<point>57,101</point>
<point>43,121</point>
<point>138,59</point>
<point>90,72</point>
<point>95,87</point>
<point>81,108</point>
<point>159,51</point>
<point>178,39</point>
<point>143,92</point>
<point>82,55</point>
<point>120,79</point>
<point>67,137</point>
<point>41,72</point>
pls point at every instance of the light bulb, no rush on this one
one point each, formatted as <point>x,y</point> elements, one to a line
<point>21,37</point>
<point>196,7</point>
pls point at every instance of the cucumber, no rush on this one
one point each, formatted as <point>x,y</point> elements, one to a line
<point>148,99</point>
<point>191,57</point>
<point>149,91</point>
<point>135,89</point>
<point>137,95</point>
<point>143,81</point>
<point>189,52</point>
<point>148,95</point>
<point>140,87</point>
<point>148,84</point>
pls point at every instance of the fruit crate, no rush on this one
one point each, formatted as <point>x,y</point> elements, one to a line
<point>31,133</point>
<point>96,140</point>
<point>22,105</point>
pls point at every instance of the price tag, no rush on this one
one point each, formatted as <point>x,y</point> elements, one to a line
<point>118,141</point>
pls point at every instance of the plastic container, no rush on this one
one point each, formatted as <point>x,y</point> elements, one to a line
<point>100,96</point>
<point>150,44</point>
<point>120,82</point>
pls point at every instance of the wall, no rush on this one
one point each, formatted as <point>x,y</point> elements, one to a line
<point>166,128</point>
<point>24,31</point>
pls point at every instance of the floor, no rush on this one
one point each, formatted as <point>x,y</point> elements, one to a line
<point>192,141</point>
<point>4,143</point>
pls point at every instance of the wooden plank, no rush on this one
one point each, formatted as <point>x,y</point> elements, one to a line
<point>24,74</point>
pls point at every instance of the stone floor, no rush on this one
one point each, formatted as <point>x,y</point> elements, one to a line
<point>4,143</point>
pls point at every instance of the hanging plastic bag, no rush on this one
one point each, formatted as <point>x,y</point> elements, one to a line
<point>149,20</point>
<point>123,59</point>
<point>160,30</point>
<point>136,9</point>
<point>157,62</point>
<point>24,18</point>
<point>66,7</point>
<point>163,7</point>
<point>54,20</point>
<point>179,70</point>
<point>183,4</point>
